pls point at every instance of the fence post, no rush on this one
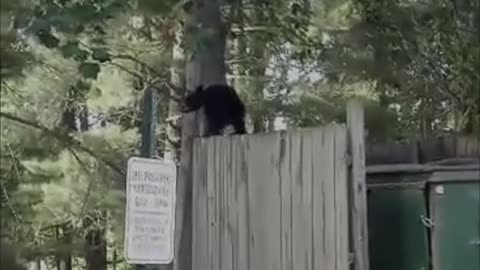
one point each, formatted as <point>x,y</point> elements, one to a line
<point>358,187</point>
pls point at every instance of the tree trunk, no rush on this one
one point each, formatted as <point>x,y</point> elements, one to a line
<point>69,113</point>
<point>206,67</point>
<point>69,117</point>
<point>258,74</point>
<point>177,79</point>
<point>83,115</point>
<point>66,261</point>
<point>96,242</point>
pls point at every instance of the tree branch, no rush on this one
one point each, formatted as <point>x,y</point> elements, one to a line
<point>135,60</point>
<point>69,142</point>
<point>234,14</point>
<point>90,183</point>
<point>177,90</point>
<point>258,28</point>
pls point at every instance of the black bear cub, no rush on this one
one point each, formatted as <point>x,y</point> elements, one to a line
<point>222,107</point>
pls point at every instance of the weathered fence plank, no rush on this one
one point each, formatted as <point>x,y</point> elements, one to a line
<point>212,236</point>
<point>199,213</point>
<point>341,205</point>
<point>241,199</point>
<point>355,122</point>
<point>264,201</point>
<point>319,232</point>
<point>299,203</point>
<point>391,153</point>
<point>272,201</point>
<point>286,202</point>
<point>442,146</point>
<point>467,146</point>
<point>328,165</point>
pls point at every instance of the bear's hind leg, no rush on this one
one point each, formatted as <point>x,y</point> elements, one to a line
<point>212,130</point>
<point>239,126</point>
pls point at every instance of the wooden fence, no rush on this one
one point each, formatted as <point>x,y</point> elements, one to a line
<point>443,146</point>
<point>277,201</point>
<point>271,201</point>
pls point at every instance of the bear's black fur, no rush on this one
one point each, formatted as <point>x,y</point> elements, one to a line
<point>222,107</point>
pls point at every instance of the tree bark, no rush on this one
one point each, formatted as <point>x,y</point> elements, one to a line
<point>69,117</point>
<point>83,116</point>
<point>177,78</point>
<point>261,57</point>
<point>69,113</point>
<point>66,262</point>
<point>205,67</point>
<point>95,239</point>
<point>96,242</point>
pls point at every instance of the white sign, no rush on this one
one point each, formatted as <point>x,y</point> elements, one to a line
<point>150,211</point>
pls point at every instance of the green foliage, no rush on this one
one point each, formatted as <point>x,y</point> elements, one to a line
<point>48,39</point>
<point>8,257</point>
<point>89,70</point>
<point>101,55</point>
<point>165,7</point>
<point>70,19</point>
<point>13,56</point>
<point>415,51</point>
<point>72,50</point>
<point>327,103</point>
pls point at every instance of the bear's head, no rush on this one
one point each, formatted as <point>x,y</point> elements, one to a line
<point>193,101</point>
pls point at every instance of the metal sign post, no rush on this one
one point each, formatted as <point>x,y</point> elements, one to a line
<point>150,209</point>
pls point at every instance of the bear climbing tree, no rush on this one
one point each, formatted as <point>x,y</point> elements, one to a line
<point>222,107</point>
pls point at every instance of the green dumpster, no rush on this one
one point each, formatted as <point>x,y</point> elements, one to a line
<point>454,204</point>
<point>397,210</point>
<point>424,216</point>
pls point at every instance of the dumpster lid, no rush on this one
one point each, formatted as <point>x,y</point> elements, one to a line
<point>397,168</point>
<point>397,175</point>
<point>455,176</point>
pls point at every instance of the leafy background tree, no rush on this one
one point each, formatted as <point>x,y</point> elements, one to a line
<point>73,74</point>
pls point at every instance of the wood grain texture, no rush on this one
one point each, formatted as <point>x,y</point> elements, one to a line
<point>271,201</point>
<point>355,122</point>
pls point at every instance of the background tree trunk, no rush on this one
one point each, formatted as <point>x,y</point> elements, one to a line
<point>206,67</point>
<point>69,118</point>
<point>96,244</point>
<point>177,79</point>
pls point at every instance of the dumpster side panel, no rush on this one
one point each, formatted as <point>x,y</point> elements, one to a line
<point>455,211</point>
<point>398,238</point>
